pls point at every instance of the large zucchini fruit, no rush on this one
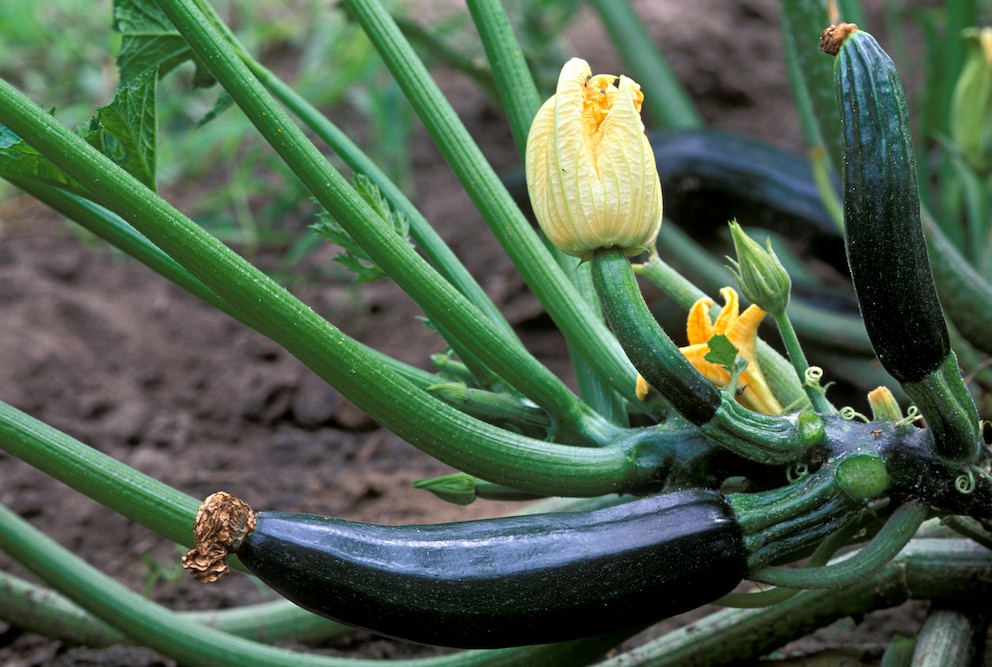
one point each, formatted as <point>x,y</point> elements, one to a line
<point>510,581</point>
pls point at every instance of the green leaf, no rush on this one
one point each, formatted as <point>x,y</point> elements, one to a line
<point>722,352</point>
<point>18,160</point>
<point>150,42</point>
<point>125,130</point>
<point>354,258</point>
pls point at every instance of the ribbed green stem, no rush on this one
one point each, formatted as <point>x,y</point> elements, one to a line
<point>511,229</point>
<point>765,438</point>
<point>427,240</point>
<point>787,521</point>
<point>516,87</point>
<point>650,349</point>
<point>435,295</point>
<point>425,422</point>
<point>948,638</point>
<point>137,496</point>
<point>812,76</point>
<point>33,608</point>
<point>195,645</point>
<point>947,405</point>
<point>889,541</point>
<point>669,103</point>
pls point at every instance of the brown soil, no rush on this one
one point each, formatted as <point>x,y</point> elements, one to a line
<point>103,349</point>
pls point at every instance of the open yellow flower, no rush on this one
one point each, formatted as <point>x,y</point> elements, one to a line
<point>742,330</point>
<point>591,172</point>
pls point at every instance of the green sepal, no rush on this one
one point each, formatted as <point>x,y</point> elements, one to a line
<point>457,488</point>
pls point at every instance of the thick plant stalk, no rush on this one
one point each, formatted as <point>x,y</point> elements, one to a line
<point>440,302</point>
<point>441,431</point>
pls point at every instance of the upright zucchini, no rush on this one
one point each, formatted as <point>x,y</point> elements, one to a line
<point>491,583</point>
<point>886,247</point>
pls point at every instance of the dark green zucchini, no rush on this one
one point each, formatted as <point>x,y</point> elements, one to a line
<point>886,247</point>
<point>510,581</point>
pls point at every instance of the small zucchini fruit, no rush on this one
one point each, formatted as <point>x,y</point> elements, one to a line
<point>886,245</point>
<point>510,581</point>
<point>886,248</point>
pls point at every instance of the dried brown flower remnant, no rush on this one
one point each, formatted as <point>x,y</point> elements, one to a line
<point>220,525</point>
<point>834,36</point>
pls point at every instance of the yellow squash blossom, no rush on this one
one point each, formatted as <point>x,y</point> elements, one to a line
<point>591,172</point>
<point>742,330</point>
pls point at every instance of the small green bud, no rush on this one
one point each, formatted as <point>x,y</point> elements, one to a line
<point>457,488</point>
<point>971,104</point>
<point>762,278</point>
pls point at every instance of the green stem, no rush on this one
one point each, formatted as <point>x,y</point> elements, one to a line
<point>668,102</point>
<point>948,638</point>
<point>439,300</point>
<point>33,608</point>
<point>947,405</point>
<point>812,77</point>
<point>650,349</point>
<point>111,228</point>
<point>135,495</point>
<point>439,430</point>
<point>516,87</point>
<point>512,230</point>
<point>769,596</point>
<point>765,438</point>
<point>427,240</point>
<point>963,291</point>
<point>195,645</point>
<point>816,395</point>
<point>894,535</point>
<point>786,522</point>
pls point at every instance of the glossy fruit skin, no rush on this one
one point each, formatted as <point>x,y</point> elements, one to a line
<point>886,246</point>
<point>510,581</point>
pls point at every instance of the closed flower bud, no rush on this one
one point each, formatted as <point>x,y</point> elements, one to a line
<point>590,169</point>
<point>971,104</point>
<point>760,275</point>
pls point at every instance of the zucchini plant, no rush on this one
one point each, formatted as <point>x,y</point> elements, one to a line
<point>686,471</point>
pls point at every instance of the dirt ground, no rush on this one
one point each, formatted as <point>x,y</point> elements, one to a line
<point>103,349</point>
